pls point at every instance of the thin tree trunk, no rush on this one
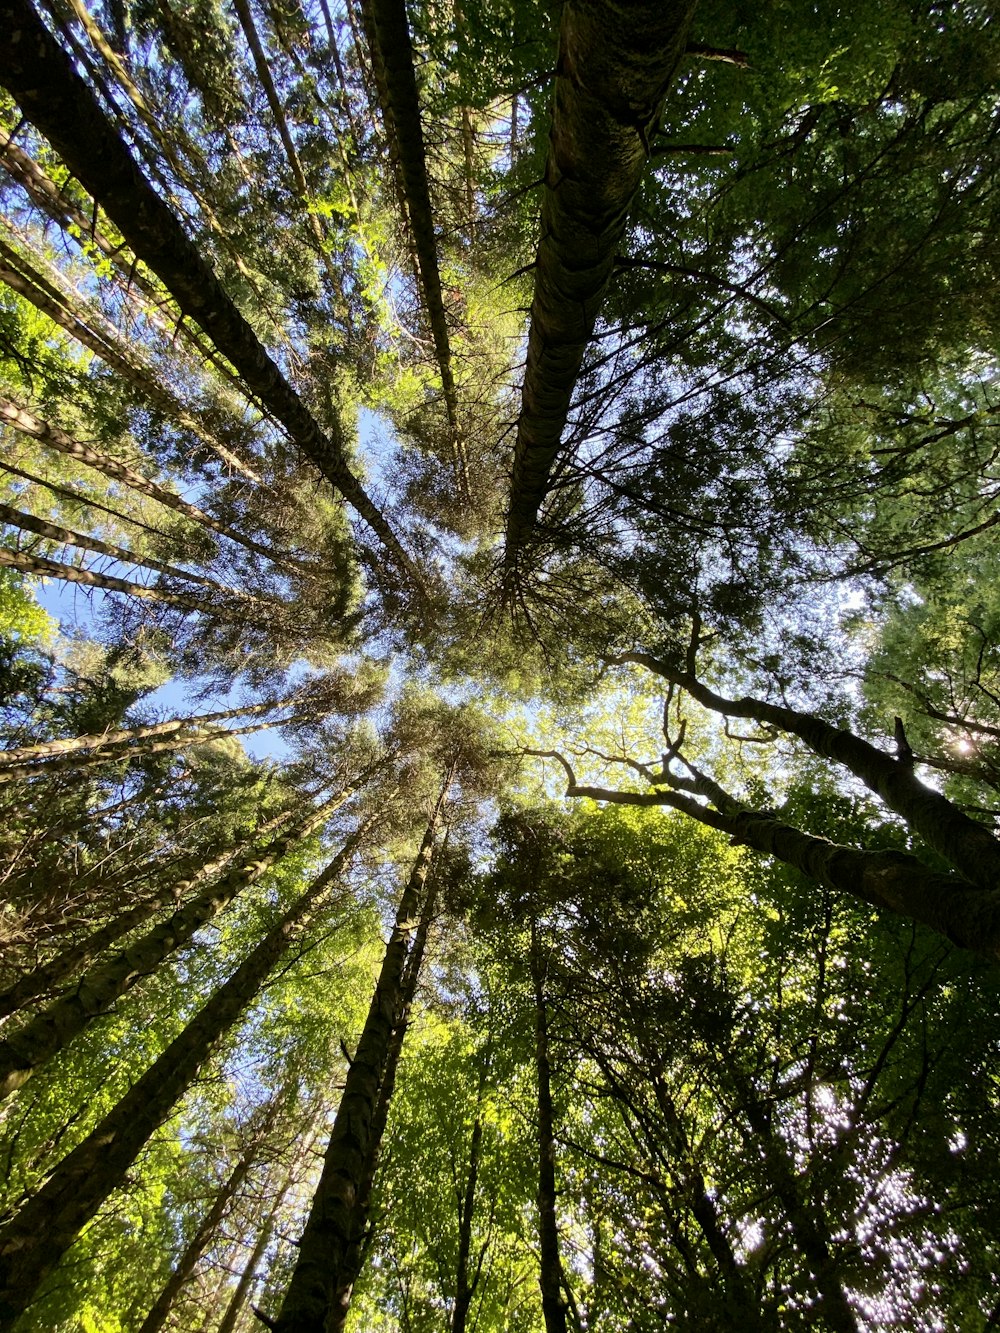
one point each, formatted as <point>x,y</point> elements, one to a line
<point>465,1288</point>
<point>41,77</point>
<point>54,532</point>
<point>84,326</point>
<point>76,762</point>
<point>37,1237</point>
<point>615,65</point>
<point>18,416</point>
<point>209,1225</point>
<point>44,568</point>
<point>326,1240</point>
<point>25,1051</point>
<point>239,1297</point>
<point>71,960</point>
<point>550,1278</point>
<point>126,735</point>
<point>56,204</point>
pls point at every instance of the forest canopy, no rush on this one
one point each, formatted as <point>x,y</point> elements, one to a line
<point>499,666</point>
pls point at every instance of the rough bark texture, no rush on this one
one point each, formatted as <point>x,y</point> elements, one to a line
<point>392,57</point>
<point>358,1248</point>
<point>550,1266</point>
<point>326,1240</point>
<point>24,1052</point>
<point>53,569</point>
<point>42,79</point>
<point>34,1241</point>
<point>616,61</point>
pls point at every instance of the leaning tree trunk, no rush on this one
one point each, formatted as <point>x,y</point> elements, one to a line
<point>208,1227</point>
<point>325,1244</point>
<point>465,1284</point>
<point>360,1235</point>
<point>550,1277</point>
<point>72,959</point>
<point>73,762</point>
<point>17,415</point>
<point>24,1052</point>
<point>37,1237</point>
<point>615,64</point>
<point>42,79</point>
<point>44,568</point>
<point>126,735</point>
<point>890,880</point>
<point>55,532</point>
<point>392,56</point>
<point>85,327</point>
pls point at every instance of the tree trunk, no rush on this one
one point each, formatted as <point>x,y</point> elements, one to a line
<point>16,518</point>
<point>18,416</point>
<point>325,1243</point>
<point>85,327</point>
<point>44,568</point>
<point>25,1051</point>
<point>615,65</point>
<point>97,740</point>
<point>209,1225</point>
<point>550,1278</point>
<point>465,1287</point>
<point>34,1241</point>
<point>357,1250</point>
<point>968,846</point>
<point>42,79</point>
<point>74,762</point>
<point>388,30</point>
<point>69,961</point>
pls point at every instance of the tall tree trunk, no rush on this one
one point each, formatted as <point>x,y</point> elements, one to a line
<point>71,960</point>
<point>17,415</point>
<point>550,1278</point>
<point>54,532</point>
<point>466,1283</point>
<point>44,568</point>
<point>614,67</point>
<point>127,735</point>
<point>37,1237</point>
<point>325,1243</point>
<point>360,1231</point>
<point>25,1051</point>
<point>388,30</point>
<point>86,327</point>
<point>75,762</point>
<point>42,79</point>
<point>210,1223</point>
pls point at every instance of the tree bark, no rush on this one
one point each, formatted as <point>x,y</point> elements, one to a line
<point>325,1243</point>
<point>54,532</point>
<point>16,415</point>
<point>465,1287</point>
<point>550,1278</point>
<point>85,327</point>
<point>42,79</point>
<point>44,568</point>
<point>71,960</point>
<point>388,33</point>
<point>357,1249</point>
<point>25,1051</point>
<point>37,1237</point>
<point>616,62</point>
<point>968,846</point>
<point>209,1225</point>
